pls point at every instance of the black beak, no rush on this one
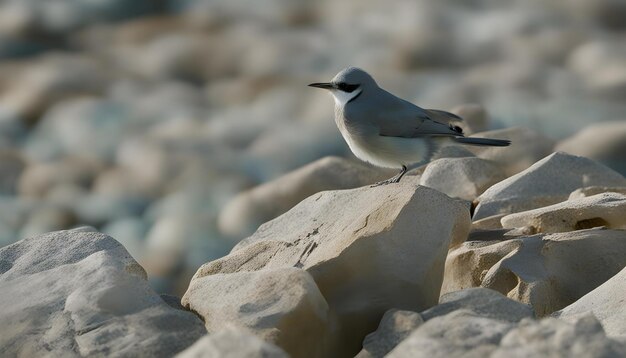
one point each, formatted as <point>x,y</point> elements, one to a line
<point>324,85</point>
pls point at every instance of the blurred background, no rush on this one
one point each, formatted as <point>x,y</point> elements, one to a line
<point>145,118</point>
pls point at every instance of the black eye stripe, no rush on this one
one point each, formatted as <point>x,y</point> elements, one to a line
<point>346,87</point>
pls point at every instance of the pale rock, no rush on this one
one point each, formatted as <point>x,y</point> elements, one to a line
<point>459,333</point>
<point>232,342</point>
<point>38,179</point>
<point>386,252</point>
<point>527,147</point>
<point>547,272</point>
<point>604,142</point>
<point>598,63</point>
<point>464,178</point>
<point>594,190</point>
<point>550,337</point>
<point>12,164</point>
<point>79,293</point>
<point>249,209</point>
<point>482,301</point>
<point>45,218</point>
<point>475,117</point>
<point>282,306</point>
<point>547,182</point>
<point>452,151</point>
<point>488,223</point>
<point>606,209</point>
<point>606,303</point>
<point>394,327</point>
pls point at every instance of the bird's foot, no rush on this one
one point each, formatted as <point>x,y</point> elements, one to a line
<point>385,182</point>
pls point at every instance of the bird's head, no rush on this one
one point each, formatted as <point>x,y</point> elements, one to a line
<point>347,85</point>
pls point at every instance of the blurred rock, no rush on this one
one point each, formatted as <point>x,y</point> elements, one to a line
<point>605,302</point>
<point>598,63</point>
<point>546,182</point>
<point>272,304</point>
<point>604,142</point>
<point>11,166</point>
<point>594,190</point>
<point>464,178</point>
<point>547,272</point>
<point>607,210</point>
<point>232,342</point>
<point>394,327</point>
<point>79,292</point>
<point>130,232</point>
<point>365,249</point>
<point>520,155</point>
<point>482,301</point>
<point>452,151</point>
<point>38,179</point>
<point>475,118</point>
<point>249,209</point>
<point>45,218</point>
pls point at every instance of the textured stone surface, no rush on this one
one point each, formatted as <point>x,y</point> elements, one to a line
<point>282,306</point>
<point>547,272</point>
<point>394,327</point>
<point>464,178</point>
<point>79,293</point>
<point>387,251</point>
<point>606,209</point>
<point>546,182</point>
<point>607,303</point>
<point>232,342</point>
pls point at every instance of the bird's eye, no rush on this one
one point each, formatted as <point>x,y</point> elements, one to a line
<point>346,87</point>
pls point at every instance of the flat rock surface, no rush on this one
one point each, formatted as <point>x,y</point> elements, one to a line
<point>368,250</point>
<point>548,181</point>
<point>79,293</point>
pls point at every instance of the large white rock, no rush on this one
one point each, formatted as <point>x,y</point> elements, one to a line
<point>464,178</point>
<point>607,209</point>
<point>368,250</point>
<point>547,272</point>
<point>527,147</point>
<point>232,342</point>
<point>394,327</point>
<point>604,142</point>
<point>248,210</point>
<point>549,181</point>
<point>79,293</point>
<point>606,303</point>
<point>282,306</point>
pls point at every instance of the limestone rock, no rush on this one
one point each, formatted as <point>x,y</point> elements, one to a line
<point>550,337</point>
<point>607,209</point>
<point>549,181</point>
<point>593,190</point>
<point>606,303</point>
<point>79,293</point>
<point>232,342</point>
<point>547,272</point>
<point>485,302</point>
<point>604,142</point>
<point>520,154</point>
<point>464,178</point>
<point>243,214</point>
<point>368,250</point>
<point>282,306</point>
<point>394,327</point>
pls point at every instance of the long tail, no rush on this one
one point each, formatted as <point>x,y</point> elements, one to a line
<point>483,141</point>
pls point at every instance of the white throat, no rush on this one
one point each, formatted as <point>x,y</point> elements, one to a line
<point>341,97</point>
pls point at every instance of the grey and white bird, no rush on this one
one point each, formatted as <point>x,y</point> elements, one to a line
<point>388,131</point>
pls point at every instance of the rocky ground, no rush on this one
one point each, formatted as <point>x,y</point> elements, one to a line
<point>142,142</point>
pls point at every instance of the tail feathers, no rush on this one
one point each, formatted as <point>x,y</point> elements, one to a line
<point>483,141</point>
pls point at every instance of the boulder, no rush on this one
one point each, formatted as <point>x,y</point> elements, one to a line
<point>604,142</point>
<point>593,190</point>
<point>79,293</point>
<point>606,209</point>
<point>549,181</point>
<point>248,210</point>
<point>368,250</point>
<point>482,301</point>
<point>547,272</point>
<point>606,303</point>
<point>282,306</point>
<point>520,154</point>
<point>232,342</point>
<point>464,178</point>
<point>394,327</point>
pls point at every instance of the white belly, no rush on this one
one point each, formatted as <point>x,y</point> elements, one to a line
<point>388,152</point>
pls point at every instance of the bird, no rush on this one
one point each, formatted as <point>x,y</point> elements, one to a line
<point>387,131</point>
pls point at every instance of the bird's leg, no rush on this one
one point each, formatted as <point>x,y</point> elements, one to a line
<point>395,179</point>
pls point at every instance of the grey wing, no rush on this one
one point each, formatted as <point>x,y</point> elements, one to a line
<point>418,122</point>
